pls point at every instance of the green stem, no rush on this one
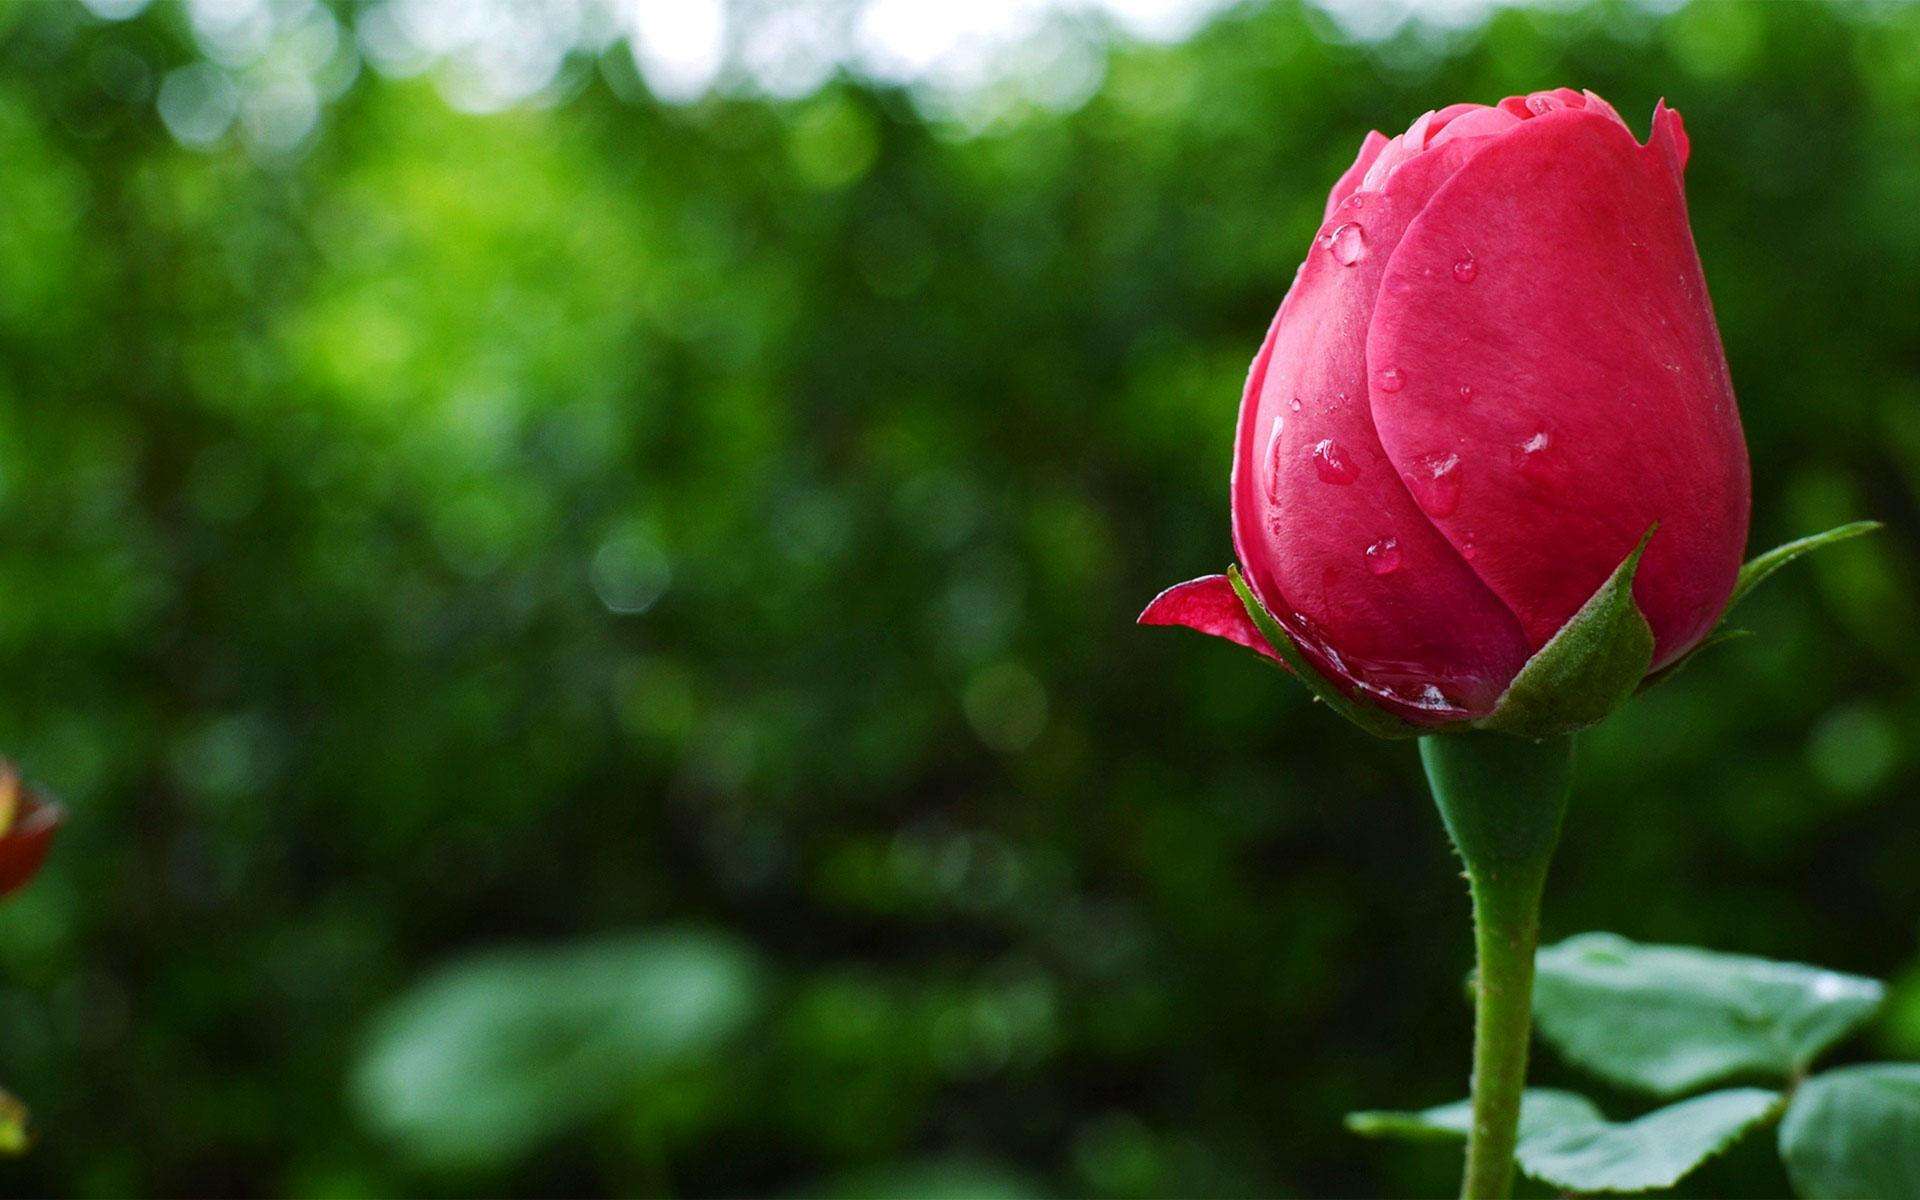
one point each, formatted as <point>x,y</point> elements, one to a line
<point>1502,799</point>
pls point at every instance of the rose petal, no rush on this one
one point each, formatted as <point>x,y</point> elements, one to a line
<point>1348,183</point>
<point>1482,122</point>
<point>24,846</point>
<point>1210,605</point>
<point>1600,397</point>
<point>1313,491</point>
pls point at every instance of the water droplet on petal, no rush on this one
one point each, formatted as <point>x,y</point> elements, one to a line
<point>1383,557</point>
<point>1293,405</point>
<point>1391,380</point>
<point>1347,243</point>
<point>1331,463</point>
<point>1465,269</point>
<point>1533,460</point>
<point>1435,484</point>
<point>1466,392</point>
<point>1273,459</point>
<point>1540,106</point>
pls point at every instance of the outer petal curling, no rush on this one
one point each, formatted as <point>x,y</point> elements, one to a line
<point>1208,604</point>
<point>1348,183</point>
<point>1566,390</point>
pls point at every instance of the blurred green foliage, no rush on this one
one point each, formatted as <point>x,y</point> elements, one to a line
<point>719,526</point>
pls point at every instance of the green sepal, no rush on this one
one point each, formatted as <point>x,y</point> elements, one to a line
<point>1586,670</point>
<point>1566,1142</point>
<point>1762,567</point>
<point>1752,576</point>
<point>1376,721</point>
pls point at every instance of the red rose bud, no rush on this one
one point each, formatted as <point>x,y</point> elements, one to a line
<point>27,824</point>
<point>1496,371</point>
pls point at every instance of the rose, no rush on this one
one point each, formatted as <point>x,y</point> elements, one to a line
<point>1495,372</point>
<point>27,825</point>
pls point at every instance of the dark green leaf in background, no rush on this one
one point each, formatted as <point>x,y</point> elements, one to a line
<point>1672,1018</point>
<point>495,1054</point>
<point>1854,1134</point>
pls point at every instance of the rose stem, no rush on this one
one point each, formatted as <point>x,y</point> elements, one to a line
<point>1502,799</point>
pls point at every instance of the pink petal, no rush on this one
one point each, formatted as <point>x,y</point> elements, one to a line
<point>1595,103</point>
<point>1348,183</point>
<point>1669,138</point>
<point>1539,104</point>
<point>1210,605</point>
<point>1482,122</point>
<point>1600,401</point>
<point>1313,490</point>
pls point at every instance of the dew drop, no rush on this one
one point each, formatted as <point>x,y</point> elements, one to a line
<point>1435,483</point>
<point>1464,269</point>
<point>1347,243</point>
<point>1383,557</point>
<point>1331,463</point>
<point>1391,380</point>
<point>1293,405</point>
<point>1532,459</point>
<point>1466,392</point>
<point>1540,106</point>
<point>1273,459</point>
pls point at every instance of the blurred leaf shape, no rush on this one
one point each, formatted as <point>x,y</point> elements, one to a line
<point>497,1053</point>
<point>1566,1142</point>
<point>1669,1019</point>
<point>935,1179</point>
<point>14,1135</point>
<point>1854,1133</point>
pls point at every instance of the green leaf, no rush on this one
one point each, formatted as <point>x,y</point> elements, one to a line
<point>496,1054</point>
<point>1541,1109</point>
<point>1672,1018</point>
<point>1566,1142</point>
<point>1376,721</point>
<point>1762,567</point>
<point>1586,670</point>
<point>1654,1151</point>
<point>1854,1134</point>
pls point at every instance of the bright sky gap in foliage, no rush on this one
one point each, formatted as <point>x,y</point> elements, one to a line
<point>270,67</point>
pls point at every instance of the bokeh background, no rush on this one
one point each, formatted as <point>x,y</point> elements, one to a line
<point>574,567</point>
